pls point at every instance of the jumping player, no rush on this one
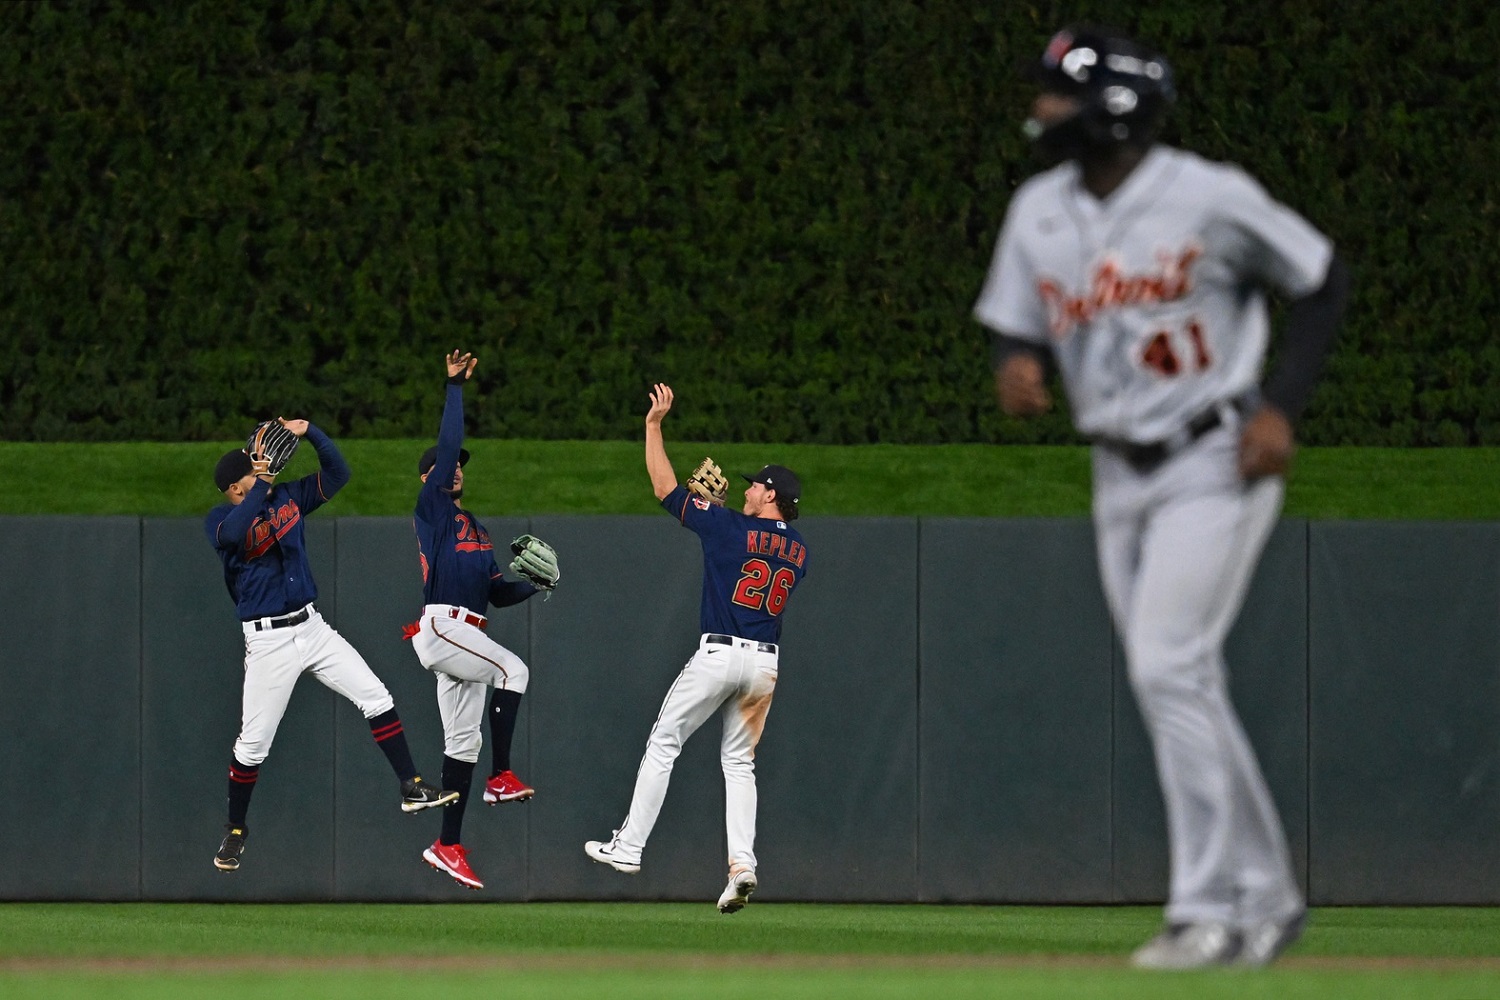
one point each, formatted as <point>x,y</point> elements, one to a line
<point>1140,271</point>
<point>460,579</point>
<point>258,535</point>
<point>752,561</point>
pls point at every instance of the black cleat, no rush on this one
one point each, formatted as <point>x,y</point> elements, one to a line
<point>417,795</point>
<point>228,858</point>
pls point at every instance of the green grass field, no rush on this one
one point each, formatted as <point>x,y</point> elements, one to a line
<point>609,477</point>
<point>668,950</point>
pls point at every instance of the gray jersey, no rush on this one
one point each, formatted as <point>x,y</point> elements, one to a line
<point>1151,300</point>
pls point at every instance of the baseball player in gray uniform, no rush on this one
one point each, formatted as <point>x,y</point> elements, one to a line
<point>1140,272</point>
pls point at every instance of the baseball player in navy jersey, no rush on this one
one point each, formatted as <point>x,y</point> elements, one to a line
<point>752,561</point>
<point>1140,271</point>
<point>460,579</point>
<point>259,537</point>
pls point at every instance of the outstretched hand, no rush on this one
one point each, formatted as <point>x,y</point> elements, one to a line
<point>661,402</point>
<point>461,364</point>
<point>297,427</point>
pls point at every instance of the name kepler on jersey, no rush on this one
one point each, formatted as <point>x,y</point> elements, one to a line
<point>769,543</point>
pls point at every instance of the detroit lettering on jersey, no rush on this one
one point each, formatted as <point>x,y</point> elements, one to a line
<point>1112,288</point>
<point>1152,300</point>
<point>751,565</point>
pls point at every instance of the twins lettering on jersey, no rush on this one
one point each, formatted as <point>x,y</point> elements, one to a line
<point>267,530</point>
<point>471,537</point>
<point>1112,288</point>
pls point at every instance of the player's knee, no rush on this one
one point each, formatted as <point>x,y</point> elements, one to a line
<point>517,676</point>
<point>251,753</point>
<point>464,749</point>
<point>1166,658</point>
<point>737,765</point>
<point>378,705</point>
<point>663,748</point>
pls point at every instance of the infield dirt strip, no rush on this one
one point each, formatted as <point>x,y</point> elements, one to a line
<point>603,961</point>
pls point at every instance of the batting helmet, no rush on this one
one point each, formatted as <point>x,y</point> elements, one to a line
<point>1125,90</point>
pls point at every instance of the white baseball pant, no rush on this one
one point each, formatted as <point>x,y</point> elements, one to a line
<point>276,657</point>
<point>736,678</point>
<point>1177,548</point>
<point>466,662</point>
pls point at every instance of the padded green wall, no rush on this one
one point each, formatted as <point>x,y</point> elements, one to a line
<point>951,724</point>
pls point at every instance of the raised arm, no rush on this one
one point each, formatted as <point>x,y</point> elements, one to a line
<point>333,473</point>
<point>460,368</point>
<point>663,479</point>
<point>230,532</point>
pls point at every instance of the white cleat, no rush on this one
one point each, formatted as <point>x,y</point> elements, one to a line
<point>1188,946</point>
<point>737,893</point>
<point>607,853</point>
<point>1264,942</point>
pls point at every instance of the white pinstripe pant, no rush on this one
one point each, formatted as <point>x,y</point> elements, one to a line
<point>466,663</point>
<point>737,681</point>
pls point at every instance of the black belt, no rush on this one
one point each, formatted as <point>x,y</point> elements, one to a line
<point>1145,458</point>
<point>285,621</point>
<point>731,640</point>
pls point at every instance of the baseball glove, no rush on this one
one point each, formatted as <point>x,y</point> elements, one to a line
<point>535,562</point>
<point>272,441</point>
<point>708,481</point>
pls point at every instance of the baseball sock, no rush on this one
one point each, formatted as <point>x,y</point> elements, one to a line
<point>242,779</point>
<point>458,776</point>
<point>391,738</point>
<point>504,707</point>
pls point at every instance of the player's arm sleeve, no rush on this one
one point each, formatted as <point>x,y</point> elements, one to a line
<point>504,593</point>
<point>1004,345</point>
<point>332,475</point>
<point>693,511</point>
<point>450,440</point>
<point>1284,251</point>
<point>1312,322</point>
<point>1009,304</point>
<point>229,531</point>
<point>1268,241</point>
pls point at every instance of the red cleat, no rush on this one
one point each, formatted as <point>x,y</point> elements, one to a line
<point>506,787</point>
<point>453,859</point>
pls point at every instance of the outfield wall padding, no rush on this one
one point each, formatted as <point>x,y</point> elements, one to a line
<point>952,721</point>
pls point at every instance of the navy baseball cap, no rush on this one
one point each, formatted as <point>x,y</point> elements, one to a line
<point>234,466</point>
<point>779,478</point>
<point>429,459</point>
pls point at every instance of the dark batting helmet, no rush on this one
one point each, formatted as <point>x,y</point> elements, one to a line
<point>1125,89</point>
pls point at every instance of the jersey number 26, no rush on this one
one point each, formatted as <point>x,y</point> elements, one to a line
<point>759,586</point>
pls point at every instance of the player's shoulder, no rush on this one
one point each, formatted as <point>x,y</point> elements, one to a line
<point>1216,177</point>
<point>1043,188</point>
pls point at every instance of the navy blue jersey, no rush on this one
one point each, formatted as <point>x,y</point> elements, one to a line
<point>750,566</point>
<point>458,560</point>
<point>260,540</point>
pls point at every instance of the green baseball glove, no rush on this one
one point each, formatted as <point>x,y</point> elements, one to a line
<point>535,562</point>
